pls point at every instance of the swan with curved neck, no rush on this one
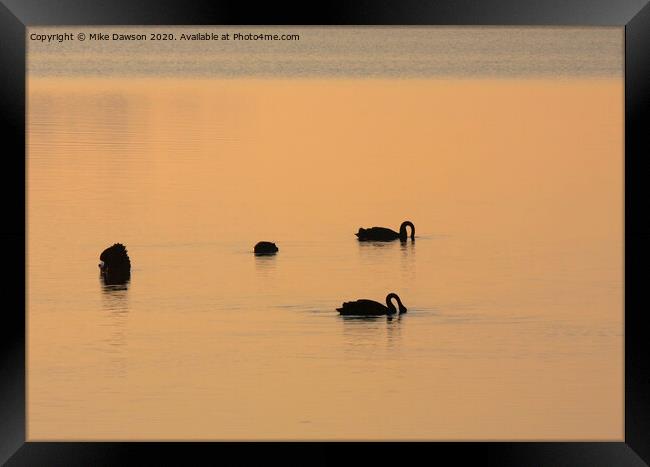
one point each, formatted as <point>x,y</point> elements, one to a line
<point>383,234</point>
<point>365,307</point>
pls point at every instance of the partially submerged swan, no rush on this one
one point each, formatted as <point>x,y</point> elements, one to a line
<point>366,307</point>
<point>265,248</point>
<point>382,234</point>
<point>115,265</point>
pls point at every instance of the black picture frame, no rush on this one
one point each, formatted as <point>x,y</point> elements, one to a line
<point>16,15</point>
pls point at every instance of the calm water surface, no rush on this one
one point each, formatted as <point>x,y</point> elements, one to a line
<point>513,285</point>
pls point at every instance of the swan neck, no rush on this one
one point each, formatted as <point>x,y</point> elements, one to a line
<point>402,230</point>
<point>389,302</point>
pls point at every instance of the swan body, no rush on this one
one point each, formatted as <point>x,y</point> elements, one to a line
<point>383,234</point>
<point>365,307</point>
<point>265,248</point>
<point>115,265</point>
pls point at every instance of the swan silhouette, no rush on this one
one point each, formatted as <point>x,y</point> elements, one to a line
<point>366,307</point>
<point>265,248</point>
<point>115,265</point>
<point>382,234</point>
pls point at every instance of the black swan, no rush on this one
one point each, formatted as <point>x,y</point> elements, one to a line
<point>115,265</point>
<point>265,248</point>
<point>382,234</point>
<point>365,307</point>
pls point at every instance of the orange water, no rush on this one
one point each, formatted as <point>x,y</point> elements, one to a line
<point>514,284</point>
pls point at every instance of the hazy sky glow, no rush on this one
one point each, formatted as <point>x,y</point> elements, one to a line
<point>328,52</point>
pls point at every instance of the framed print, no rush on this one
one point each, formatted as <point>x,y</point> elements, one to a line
<point>361,231</point>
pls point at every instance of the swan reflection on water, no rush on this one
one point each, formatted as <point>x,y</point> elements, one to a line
<point>406,247</point>
<point>265,264</point>
<point>375,251</point>
<point>365,336</point>
<point>371,319</point>
<point>112,333</point>
<point>115,297</point>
